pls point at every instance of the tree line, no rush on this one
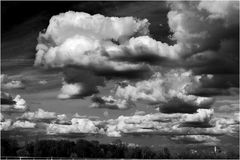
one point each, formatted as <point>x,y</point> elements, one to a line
<point>93,149</point>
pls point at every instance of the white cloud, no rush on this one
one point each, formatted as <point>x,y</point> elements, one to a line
<point>110,46</point>
<point>137,112</point>
<point>144,46</point>
<point>39,115</point>
<point>82,51</point>
<point>78,126</point>
<point>20,103</point>
<point>165,88</point>
<point>111,103</point>
<point>70,90</point>
<point>17,104</point>
<point>23,124</point>
<point>71,23</point>
<point>202,115</point>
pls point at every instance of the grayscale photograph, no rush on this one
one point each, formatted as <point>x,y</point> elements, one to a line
<point>119,80</point>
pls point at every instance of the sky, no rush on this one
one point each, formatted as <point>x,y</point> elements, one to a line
<point>164,71</point>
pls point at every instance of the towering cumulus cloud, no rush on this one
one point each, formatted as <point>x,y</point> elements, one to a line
<point>82,40</point>
<point>100,48</point>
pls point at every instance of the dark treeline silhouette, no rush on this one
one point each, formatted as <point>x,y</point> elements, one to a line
<point>93,149</point>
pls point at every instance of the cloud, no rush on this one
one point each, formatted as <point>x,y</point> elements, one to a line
<point>39,116</point>
<point>144,49</point>
<point>199,119</point>
<point>202,115</point>
<point>10,105</point>
<point>137,112</point>
<point>208,140</point>
<point>87,56</point>
<point>77,126</point>
<point>112,47</point>
<point>6,98</point>
<point>111,103</point>
<point>192,26</point>
<point>71,23</point>
<point>171,90</point>
<point>5,124</point>
<point>79,83</point>
<point>201,123</point>
<point>69,90</point>
<point>208,49</point>
<point>157,123</point>
<point>9,124</point>
<point>221,10</point>
<point>8,83</point>
<point>43,82</point>
<point>23,124</point>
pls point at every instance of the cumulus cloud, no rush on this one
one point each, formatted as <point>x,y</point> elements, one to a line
<point>121,47</point>
<point>157,123</point>
<point>69,90</point>
<point>23,124</point>
<point>39,116</point>
<point>9,124</point>
<point>172,89</point>
<point>77,125</point>
<point>10,105</point>
<point>80,40</point>
<point>202,115</point>
<point>8,83</point>
<point>110,103</point>
<point>71,23</point>
<point>144,49</point>
<point>170,124</point>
